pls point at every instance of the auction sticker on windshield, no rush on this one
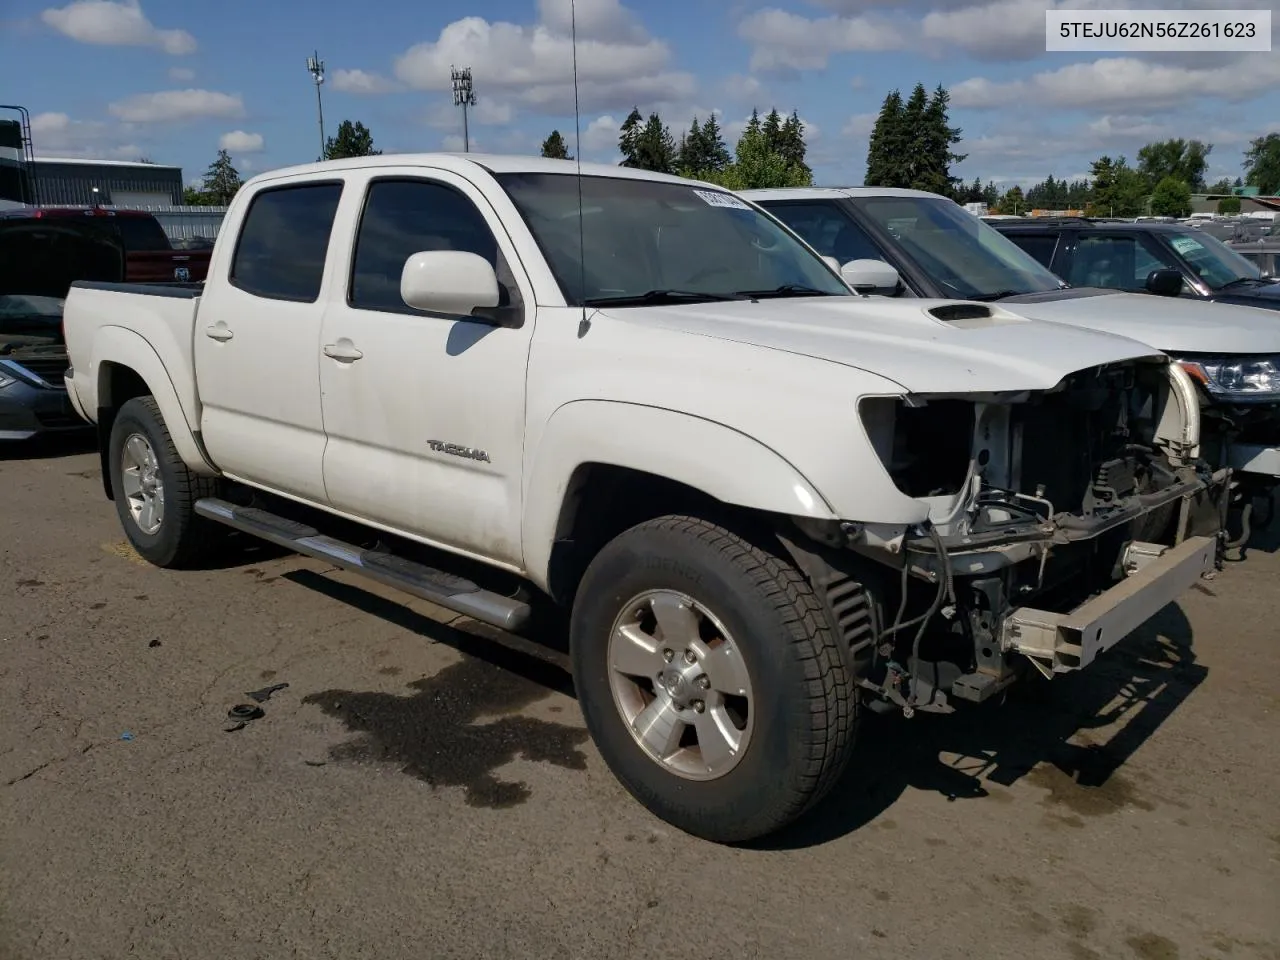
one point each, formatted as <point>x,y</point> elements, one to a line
<point>1157,31</point>
<point>1184,245</point>
<point>717,198</point>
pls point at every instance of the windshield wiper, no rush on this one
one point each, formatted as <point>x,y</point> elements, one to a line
<point>657,297</point>
<point>998,295</point>
<point>1237,281</point>
<point>786,290</point>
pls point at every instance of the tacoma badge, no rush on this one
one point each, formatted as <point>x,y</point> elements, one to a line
<point>471,453</point>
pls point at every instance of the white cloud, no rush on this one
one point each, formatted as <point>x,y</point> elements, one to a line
<point>600,135</point>
<point>1119,83</point>
<point>359,81</point>
<point>182,74</point>
<point>785,41</point>
<point>115,24</point>
<point>859,126</point>
<point>172,105</point>
<point>619,64</point>
<point>58,135</point>
<point>486,113</point>
<point>238,142</point>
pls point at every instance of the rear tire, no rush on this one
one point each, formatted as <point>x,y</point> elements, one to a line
<point>155,493</point>
<point>795,732</point>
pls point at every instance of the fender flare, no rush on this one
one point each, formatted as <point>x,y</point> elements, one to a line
<point>127,348</point>
<point>718,460</point>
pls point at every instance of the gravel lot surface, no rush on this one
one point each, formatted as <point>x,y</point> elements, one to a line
<point>424,787</point>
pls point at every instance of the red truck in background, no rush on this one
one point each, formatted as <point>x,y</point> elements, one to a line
<point>149,256</point>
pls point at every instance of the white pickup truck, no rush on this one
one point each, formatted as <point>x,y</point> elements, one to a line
<point>910,243</point>
<point>757,492</point>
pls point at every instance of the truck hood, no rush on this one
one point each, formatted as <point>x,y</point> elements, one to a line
<point>1171,324</point>
<point>901,340</point>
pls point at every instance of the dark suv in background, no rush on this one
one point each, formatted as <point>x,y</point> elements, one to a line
<point>1161,258</point>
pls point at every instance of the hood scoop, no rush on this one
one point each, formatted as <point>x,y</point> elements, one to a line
<point>951,312</point>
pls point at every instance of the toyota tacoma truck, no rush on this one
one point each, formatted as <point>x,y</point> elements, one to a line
<point>909,243</point>
<point>765,501</point>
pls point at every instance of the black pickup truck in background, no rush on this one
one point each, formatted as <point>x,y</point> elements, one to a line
<point>39,260</point>
<point>150,257</point>
<point>1123,256</point>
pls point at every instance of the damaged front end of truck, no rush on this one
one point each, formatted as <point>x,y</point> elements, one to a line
<point>1059,521</point>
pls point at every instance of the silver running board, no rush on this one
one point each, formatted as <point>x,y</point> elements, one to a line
<point>436,586</point>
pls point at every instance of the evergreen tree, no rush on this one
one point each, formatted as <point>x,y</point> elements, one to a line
<point>715,152</point>
<point>1118,189</point>
<point>990,195</point>
<point>352,140</point>
<point>791,146</point>
<point>772,129</point>
<point>1013,203</point>
<point>221,180</point>
<point>554,147</point>
<point>655,149</point>
<point>888,148</point>
<point>935,157</point>
<point>628,138</point>
<point>691,155</point>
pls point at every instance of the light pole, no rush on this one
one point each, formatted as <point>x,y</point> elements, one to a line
<point>316,67</point>
<point>464,96</point>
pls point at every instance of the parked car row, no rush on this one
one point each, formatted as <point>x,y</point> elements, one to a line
<point>779,456</point>
<point>905,243</point>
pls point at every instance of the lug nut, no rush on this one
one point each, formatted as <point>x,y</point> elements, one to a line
<point>704,683</point>
<point>690,657</point>
<point>699,706</point>
<point>668,655</point>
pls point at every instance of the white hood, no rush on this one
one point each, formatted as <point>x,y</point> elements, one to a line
<point>900,341</point>
<point>1171,324</point>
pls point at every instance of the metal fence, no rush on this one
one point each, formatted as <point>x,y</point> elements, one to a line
<point>182,223</point>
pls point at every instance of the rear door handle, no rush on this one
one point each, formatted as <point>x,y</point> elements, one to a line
<point>218,331</point>
<point>344,351</point>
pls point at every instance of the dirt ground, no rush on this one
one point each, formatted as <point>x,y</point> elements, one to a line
<point>424,788</point>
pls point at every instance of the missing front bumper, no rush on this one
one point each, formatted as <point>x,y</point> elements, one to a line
<point>1063,642</point>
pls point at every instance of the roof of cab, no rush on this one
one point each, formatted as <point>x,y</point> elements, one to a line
<point>833,193</point>
<point>460,162</point>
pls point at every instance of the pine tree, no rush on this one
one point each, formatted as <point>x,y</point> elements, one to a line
<point>628,138</point>
<point>887,150</point>
<point>221,180</point>
<point>791,144</point>
<point>772,130</point>
<point>554,147</point>
<point>934,157</point>
<point>655,149</point>
<point>352,140</point>
<point>691,155</point>
<point>715,150</point>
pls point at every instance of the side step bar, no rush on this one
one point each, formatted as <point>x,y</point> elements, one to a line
<point>449,591</point>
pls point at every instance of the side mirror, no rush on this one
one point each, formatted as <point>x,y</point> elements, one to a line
<point>448,281</point>
<point>833,263</point>
<point>1165,282</point>
<point>870,276</point>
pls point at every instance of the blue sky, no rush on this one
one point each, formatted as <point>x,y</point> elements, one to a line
<point>173,82</point>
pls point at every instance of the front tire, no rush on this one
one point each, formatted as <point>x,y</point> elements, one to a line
<point>711,679</point>
<point>155,493</point>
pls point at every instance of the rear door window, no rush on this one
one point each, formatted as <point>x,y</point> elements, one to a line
<point>281,250</point>
<point>1116,261</point>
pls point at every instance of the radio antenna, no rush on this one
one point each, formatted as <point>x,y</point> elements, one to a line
<point>584,324</point>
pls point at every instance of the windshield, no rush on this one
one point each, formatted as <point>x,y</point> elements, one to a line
<point>956,249</point>
<point>14,306</point>
<point>642,237</point>
<point>1216,263</point>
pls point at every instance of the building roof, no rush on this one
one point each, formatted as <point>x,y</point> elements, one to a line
<point>91,162</point>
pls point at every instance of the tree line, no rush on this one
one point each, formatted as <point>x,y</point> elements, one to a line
<point>769,153</point>
<point>912,142</point>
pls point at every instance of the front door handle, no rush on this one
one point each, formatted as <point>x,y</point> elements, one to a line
<point>344,351</point>
<point>218,331</point>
